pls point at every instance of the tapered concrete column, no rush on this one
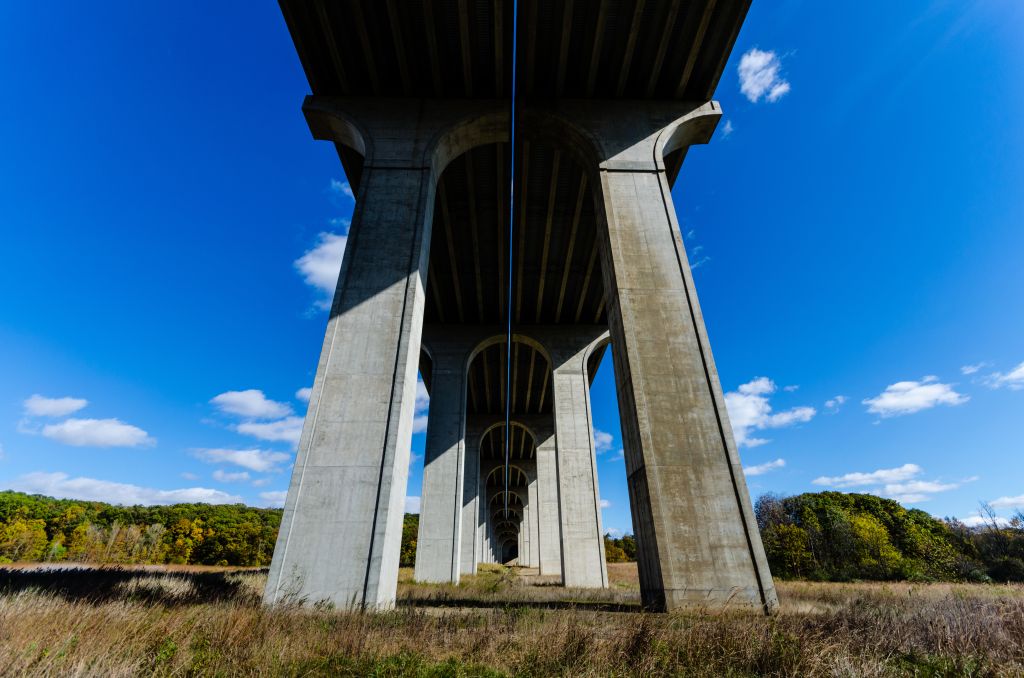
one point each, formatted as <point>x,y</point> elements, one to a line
<point>548,521</point>
<point>341,530</point>
<point>342,524</point>
<point>471,500</point>
<point>698,542</point>
<point>533,521</point>
<point>583,563</point>
<point>439,544</point>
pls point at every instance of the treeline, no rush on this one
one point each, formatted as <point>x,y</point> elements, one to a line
<point>833,536</point>
<point>37,528</point>
<point>828,536</point>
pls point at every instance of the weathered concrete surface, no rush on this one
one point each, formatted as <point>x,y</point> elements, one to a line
<point>583,563</point>
<point>439,543</point>
<point>341,530</point>
<point>549,522</point>
<point>698,541</point>
<point>343,516</point>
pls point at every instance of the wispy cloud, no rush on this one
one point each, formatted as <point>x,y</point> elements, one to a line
<point>275,498</point>
<point>727,129</point>
<point>602,441</point>
<point>63,486</point>
<point>97,433</point>
<point>833,404</point>
<point>320,265</point>
<point>1008,502</point>
<point>254,460</point>
<point>1014,379</point>
<point>908,397</point>
<point>901,483</point>
<point>339,187</point>
<point>250,403</point>
<point>760,76</point>
<point>304,394</point>
<point>230,477</point>
<point>287,430</point>
<point>749,410</point>
<point>761,469</point>
<point>972,369</point>
<point>412,504</point>
<point>883,475</point>
<point>41,406</point>
<point>419,422</point>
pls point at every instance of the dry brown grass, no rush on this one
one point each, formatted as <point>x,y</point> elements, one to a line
<point>117,623</point>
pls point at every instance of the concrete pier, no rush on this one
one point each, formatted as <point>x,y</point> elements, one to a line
<point>505,301</point>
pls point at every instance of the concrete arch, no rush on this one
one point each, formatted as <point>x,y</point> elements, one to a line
<point>339,125</point>
<point>517,337</point>
<point>695,127</point>
<point>500,424</point>
<point>522,474</point>
<point>559,131</point>
<point>465,134</point>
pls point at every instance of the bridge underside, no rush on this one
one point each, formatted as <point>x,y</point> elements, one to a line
<point>507,300</point>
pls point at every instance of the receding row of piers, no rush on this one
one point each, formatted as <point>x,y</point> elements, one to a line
<point>596,261</point>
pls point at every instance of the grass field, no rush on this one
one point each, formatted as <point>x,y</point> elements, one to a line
<point>191,621</point>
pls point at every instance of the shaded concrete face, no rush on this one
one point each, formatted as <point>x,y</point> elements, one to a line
<point>586,250</point>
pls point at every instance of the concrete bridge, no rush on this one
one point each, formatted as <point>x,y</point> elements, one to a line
<point>513,223</point>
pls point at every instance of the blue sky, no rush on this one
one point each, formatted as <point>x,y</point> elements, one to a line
<point>167,227</point>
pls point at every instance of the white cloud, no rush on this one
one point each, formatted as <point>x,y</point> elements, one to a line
<point>187,475</point>
<point>275,498</point>
<point>261,482</point>
<point>900,483</point>
<point>605,503</point>
<point>320,266</point>
<point>907,397</point>
<point>41,406</point>
<point>979,521</point>
<point>254,460</point>
<point>342,188</point>
<point>90,489</point>
<point>835,403</point>
<point>727,129</point>
<point>303,394</point>
<point>228,477</point>
<point>412,504</point>
<point>791,388</point>
<point>971,369</point>
<point>885,475</point>
<point>97,433</point>
<point>287,430</point>
<point>613,532</point>
<point>250,403</point>
<point>1008,502</point>
<point>419,423</point>
<point>749,410</point>
<point>761,469</point>
<point>759,76</point>
<point>602,441</point>
<point>620,455</point>
<point>915,491</point>
<point>1014,379</point>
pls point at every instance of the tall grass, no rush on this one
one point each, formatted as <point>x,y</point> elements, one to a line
<point>131,622</point>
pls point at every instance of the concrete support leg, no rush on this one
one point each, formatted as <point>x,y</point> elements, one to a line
<point>533,521</point>
<point>583,563</point>
<point>549,527</point>
<point>439,544</point>
<point>342,524</point>
<point>698,542</point>
<point>471,502</point>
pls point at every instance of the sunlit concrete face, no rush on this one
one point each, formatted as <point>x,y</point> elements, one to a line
<point>583,257</point>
